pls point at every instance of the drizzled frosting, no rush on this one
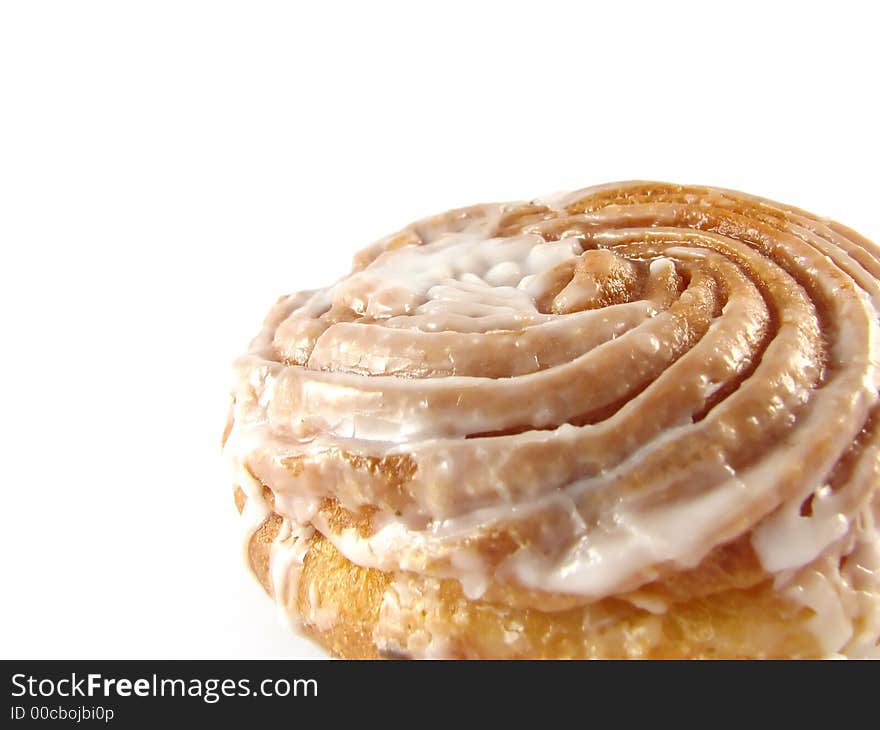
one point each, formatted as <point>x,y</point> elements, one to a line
<point>579,395</point>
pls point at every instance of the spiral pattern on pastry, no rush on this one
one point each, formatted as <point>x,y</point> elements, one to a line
<point>586,397</point>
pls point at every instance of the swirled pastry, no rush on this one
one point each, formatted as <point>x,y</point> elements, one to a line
<point>636,420</point>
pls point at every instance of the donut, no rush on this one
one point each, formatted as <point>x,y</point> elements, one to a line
<point>638,420</point>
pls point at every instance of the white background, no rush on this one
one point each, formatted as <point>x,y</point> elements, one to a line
<point>167,169</point>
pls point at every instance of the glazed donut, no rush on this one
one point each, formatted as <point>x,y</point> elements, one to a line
<point>639,420</point>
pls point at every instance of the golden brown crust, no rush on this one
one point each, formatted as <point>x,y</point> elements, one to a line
<point>725,608</point>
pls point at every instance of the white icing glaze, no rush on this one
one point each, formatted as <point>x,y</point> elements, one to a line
<point>842,588</point>
<point>286,557</point>
<point>631,386</point>
<point>399,603</point>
